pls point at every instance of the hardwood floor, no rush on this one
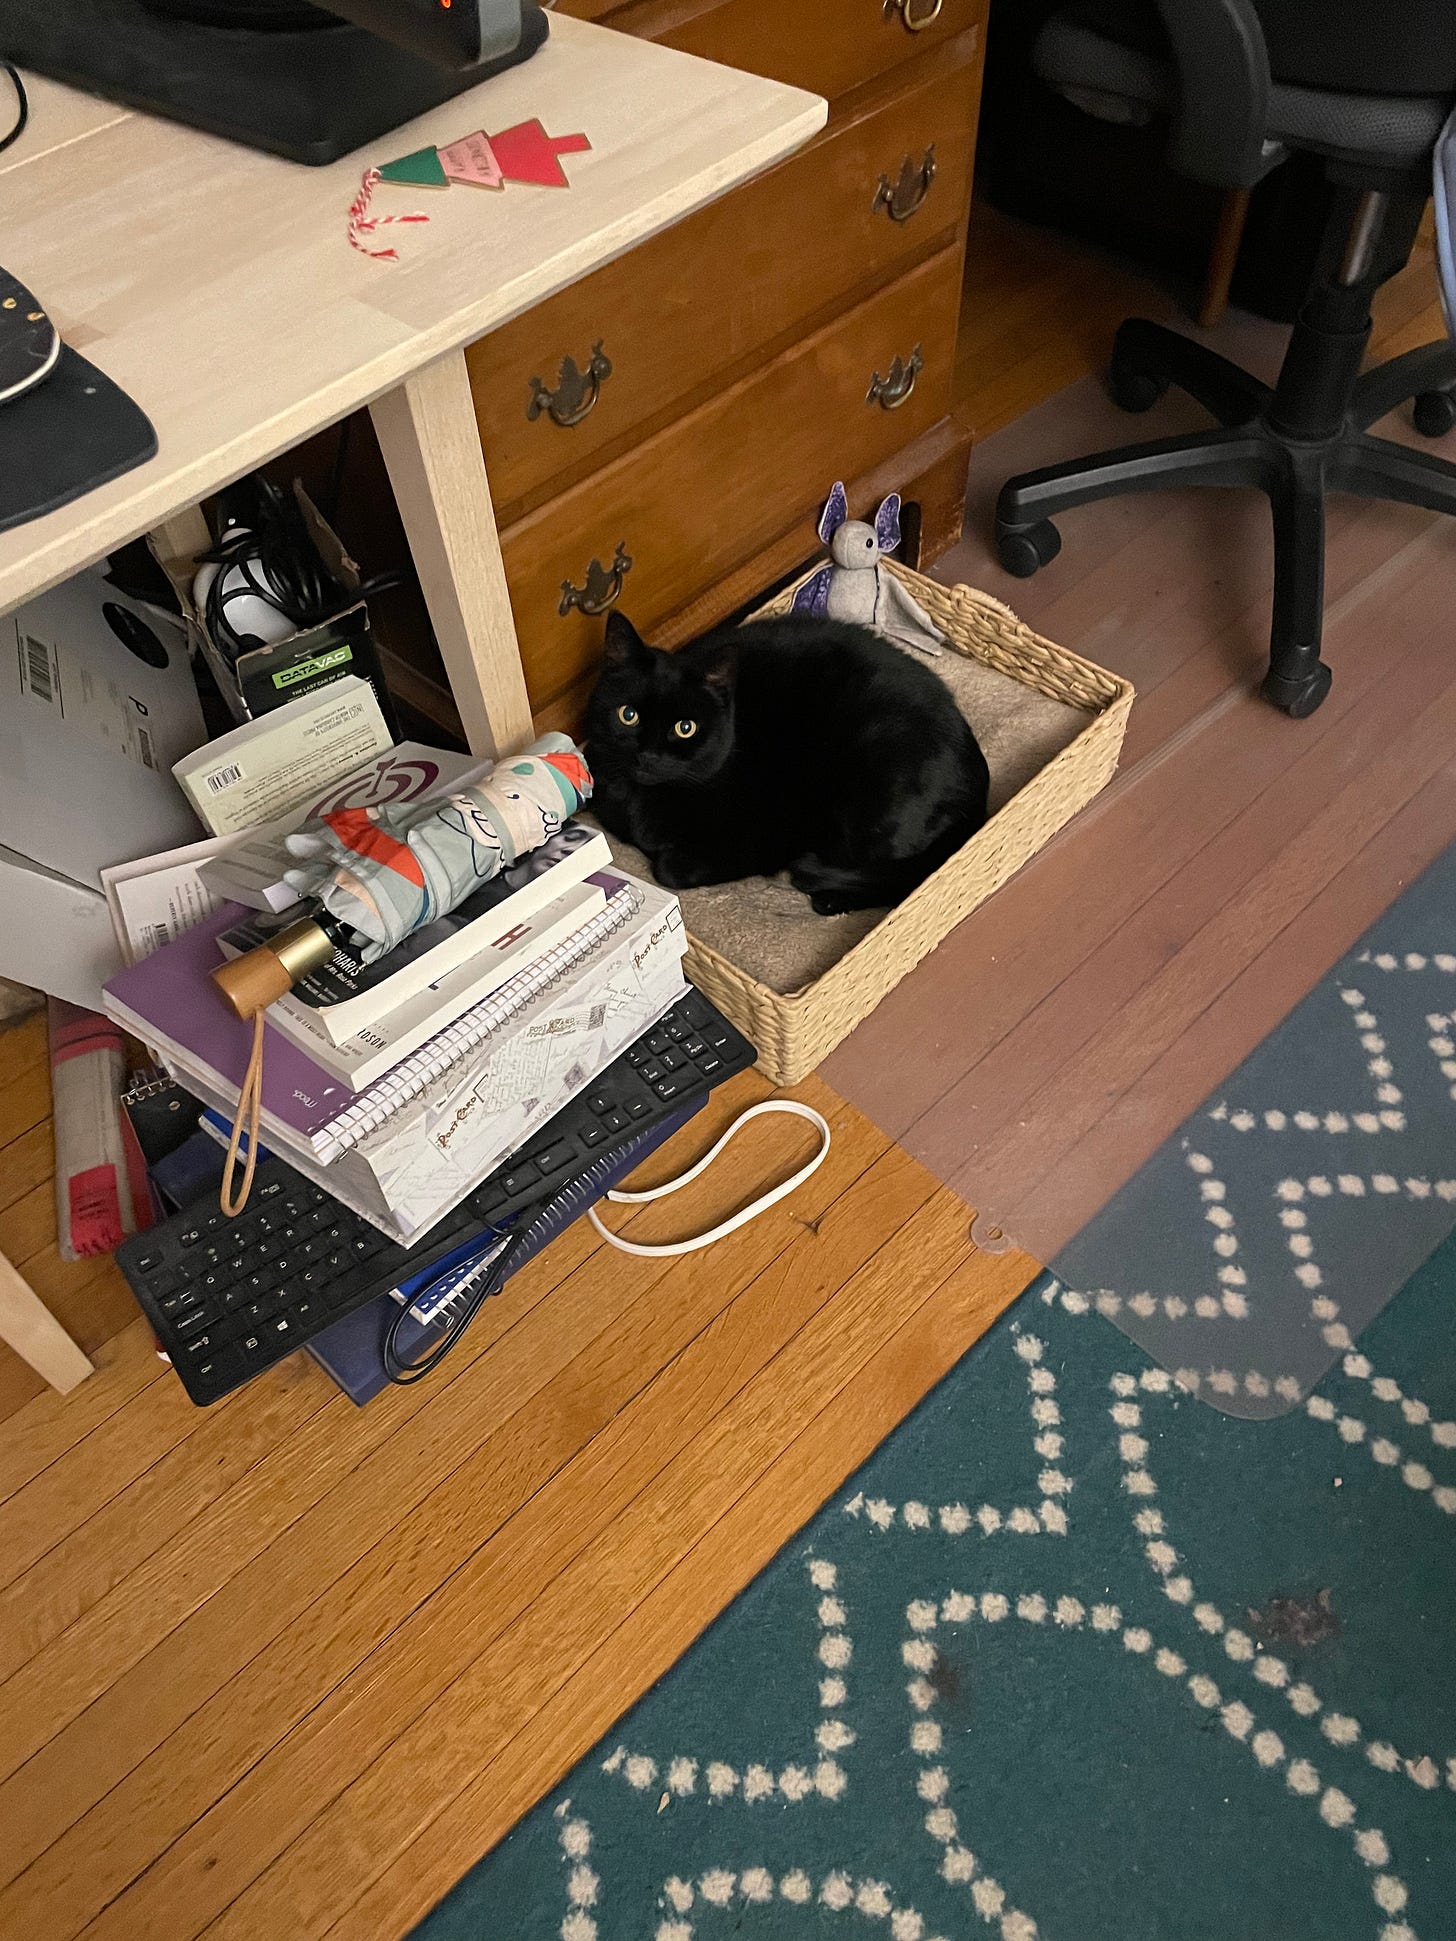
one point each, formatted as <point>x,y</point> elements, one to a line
<point>286,1667</point>
<point>1062,1032</point>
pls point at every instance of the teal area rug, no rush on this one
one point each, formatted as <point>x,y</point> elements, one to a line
<point>1073,1656</point>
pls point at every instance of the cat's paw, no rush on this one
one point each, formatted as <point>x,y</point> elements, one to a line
<point>673,870</point>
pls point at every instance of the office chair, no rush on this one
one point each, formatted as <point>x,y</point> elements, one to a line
<point>1367,86</point>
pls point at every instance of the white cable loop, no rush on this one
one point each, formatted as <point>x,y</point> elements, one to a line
<point>745,1214</point>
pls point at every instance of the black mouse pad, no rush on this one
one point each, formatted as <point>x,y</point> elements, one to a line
<point>64,437</point>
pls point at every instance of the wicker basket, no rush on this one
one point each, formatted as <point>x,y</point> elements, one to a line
<point>794,1033</point>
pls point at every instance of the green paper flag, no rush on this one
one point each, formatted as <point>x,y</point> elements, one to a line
<point>422,170</point>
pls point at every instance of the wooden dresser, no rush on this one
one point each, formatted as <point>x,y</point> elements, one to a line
<point>662,433</point>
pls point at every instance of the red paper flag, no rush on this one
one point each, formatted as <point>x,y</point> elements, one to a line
<point>526,153</point>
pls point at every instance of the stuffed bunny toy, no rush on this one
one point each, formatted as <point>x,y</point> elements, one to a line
<point>856,587</point>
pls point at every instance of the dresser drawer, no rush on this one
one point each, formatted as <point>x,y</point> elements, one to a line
<point>653,530</point>
<point>827,46</point>
<point>647,330</point>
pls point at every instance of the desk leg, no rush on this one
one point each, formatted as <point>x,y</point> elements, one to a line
<point>29,1327</point>
<point>427,432</point>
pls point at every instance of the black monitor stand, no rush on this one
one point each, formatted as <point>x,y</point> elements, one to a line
<point>310,94</point>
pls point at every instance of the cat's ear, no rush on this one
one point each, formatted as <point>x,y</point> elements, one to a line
<point>623,643</point>
<point>836,511</point>
<point>718,669</point>
<point>887,524</point>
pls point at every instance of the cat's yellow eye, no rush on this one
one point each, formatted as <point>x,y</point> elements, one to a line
<point>628,716</point>
<point>684,730</point>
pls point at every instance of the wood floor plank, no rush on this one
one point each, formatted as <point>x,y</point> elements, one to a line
<point>1066,1197</point>
<point>497,1690</point>
<point>495,1542</point>
<point>38,1433</point>
<point>1066,1109</point>
<point>384,1538</point>
<point>27,1162</point>
<point>156,1510</point>
<point>723,1563</point>
<point>25,1079</point>
<point>1041,1051</point>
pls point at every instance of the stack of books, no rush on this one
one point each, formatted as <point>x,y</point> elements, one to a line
<point>398,1087</point>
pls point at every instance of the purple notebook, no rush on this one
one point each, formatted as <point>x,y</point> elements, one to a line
<point>172,995</point>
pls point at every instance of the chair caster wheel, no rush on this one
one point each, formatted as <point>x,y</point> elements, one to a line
<point>1134,390</point>
<point>1434,413</point>
<point>1298,696</point>
<point>1025,549</point>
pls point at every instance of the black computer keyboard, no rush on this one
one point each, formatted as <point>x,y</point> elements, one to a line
<point>228,1298</point>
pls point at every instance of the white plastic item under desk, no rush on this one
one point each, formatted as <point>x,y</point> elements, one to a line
<point>217,286</point>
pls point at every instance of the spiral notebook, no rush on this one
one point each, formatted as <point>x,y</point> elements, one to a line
<point>168,1002</point>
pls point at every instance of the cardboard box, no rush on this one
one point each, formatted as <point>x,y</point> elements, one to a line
<point>269,676</point>
<point>97,701</point>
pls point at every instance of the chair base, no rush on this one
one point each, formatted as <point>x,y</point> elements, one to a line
<point>1295,441</point>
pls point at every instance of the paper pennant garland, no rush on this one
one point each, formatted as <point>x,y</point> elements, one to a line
<point>421,170</point>
<point>472,160</point>
<point>526,153</point>
<point>523,153</point>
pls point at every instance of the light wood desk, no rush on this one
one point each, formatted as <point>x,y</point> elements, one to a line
<point>218,287</point>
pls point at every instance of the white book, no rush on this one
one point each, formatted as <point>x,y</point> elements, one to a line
<point>439,1144</point>
<point>375,1050</point>
<point>260,771</point>
<point>488,928</point>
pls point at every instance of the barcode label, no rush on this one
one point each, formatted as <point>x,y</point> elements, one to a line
<point>36,672</point>
<point>154,935</point>
<point>144,742</point>
<point>223,778</point>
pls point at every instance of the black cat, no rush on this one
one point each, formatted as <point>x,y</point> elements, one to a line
<point>798,744</point>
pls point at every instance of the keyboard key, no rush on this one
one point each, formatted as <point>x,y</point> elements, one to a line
<point>254,1347</point>
<point>717,1037</point>
<point>555,1157</point>
<point>638,1108</point>
<point>307,1313</point>
<point>189,1236</point>
<point>658,1042</point>
<point>188,1324</point>
<point>148,1263</point>
<point>219,1370</point>
<point>672,1061</point>
<point>521,1182</point>
<point>592,1135</point>
<point>710,1063</point>
<point>694,1046</point>
<point>676,1029</point>
<point>257,1311</point>
<point>672,1085</point>
<point>652,1071</point>
<point>616,1120</point>
<point>636,1055</point>
<point>281,1328</point>
<point>200,1346</point>
<point>599,1103</point>
<point>269,1189</point>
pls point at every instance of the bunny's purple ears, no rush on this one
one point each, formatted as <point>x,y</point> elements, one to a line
<point>887,519</point>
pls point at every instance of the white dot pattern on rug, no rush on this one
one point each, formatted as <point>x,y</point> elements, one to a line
<point>817,1774</point>
<point>1302,1780</point>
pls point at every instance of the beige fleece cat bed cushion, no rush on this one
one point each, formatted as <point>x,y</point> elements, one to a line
<point>1051,726</point>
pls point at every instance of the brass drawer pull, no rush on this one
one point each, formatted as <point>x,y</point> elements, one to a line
<point>901,199</point>
<point>915,15</point>
<point>576,391</point>
<point>603,586</point>
<point>889,393</point>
